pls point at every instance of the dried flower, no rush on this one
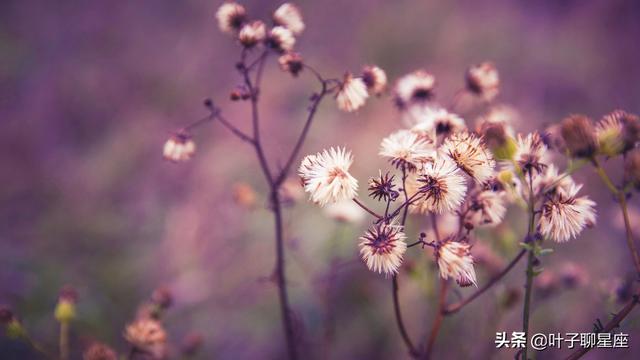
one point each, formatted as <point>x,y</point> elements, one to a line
<point>617,132</point>
<point>416,87</point>
<point>230,17</point>
<point>375,78</point>
<point>289,16</point>
<point>147,335</point>
<point>352,93</point>
<point>345,212</point>
<point>455,261</point>
<point>442,185</point>
<point>326,176</point>
<point>502,115</point>
<point>502,146</point>
<point>252,33</point>
<point>180,147</point>
<point>440,121</point>
<point>382,187</point>
<point>531,153</point>
<point>99,351</point>
<point>281,39</point>
<point>564,216</point>
<point>406,150</point>
<point>483,80</point>
<point>469,152</point>
<point>291,62</point>
<point>382,248</point>
<point>486,208</point>
<point>579,136</point>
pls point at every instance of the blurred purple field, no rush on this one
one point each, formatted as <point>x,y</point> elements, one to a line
<point>90,91</point>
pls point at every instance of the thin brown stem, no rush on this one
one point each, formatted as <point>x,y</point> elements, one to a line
<point>453,308</point>
<point>366,208</point>
<point>64,340</point>
<point>526,309</point>
<point>437,323</point>
<point>413,351</point>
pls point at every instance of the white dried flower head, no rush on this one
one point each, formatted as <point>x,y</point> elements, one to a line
<point>440,121</point>
<point>486,209</point>
<point>501,115</point>
<point>443,187</point>
<point>291,62</point>
<point>252,33</point>
<point>147,335</point>
<point>326,176</point>
<point>289,16</point>
<point>564,216</point>
<point>531,154</point>
<point>281,39</point>
<point>610,134</point>
<point>352,93</point>
<point>180,147</point>
<point>406,150</point>
<point>416,87</point>
<point>231,16</point>
<point>382,248</point>
<point>469,152</point>
<point>549,182</point>
<point>483,80</point>
<point>345,211</point>
<point>375,78</point>
<point>455,261</point>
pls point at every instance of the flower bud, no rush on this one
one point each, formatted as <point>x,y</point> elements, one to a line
<point>66,308</point>
<point>162,297</point>
<point>291,62</point>
<point>579,136</point>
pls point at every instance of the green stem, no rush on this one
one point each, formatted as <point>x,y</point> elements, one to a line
<point>526,311</point>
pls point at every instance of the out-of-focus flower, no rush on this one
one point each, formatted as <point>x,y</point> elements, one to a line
<point>291,62</point>
<point>455,261</point>
<point>382,248</point>
<point>252,33</point>
<point>440,121</point>
<point>382,187</point>
<point>564,216</point>
<point>486,258</point>
<point>281,39</point>
<point>503,115</point>
<point>502,146</point>
<point>531,154</point>
<point>352,93</point>
<point>546,284</point>
<point>406,150</point>
<point>65,310</point>
<point>147,335</point>
<point>442,186</point>
<point>6,315</point>
<point>326,176</point>
<point>579,136</point>
<point>486,208</point>
<point>632,167</point>
<point>573,275</point>
<point>482,79</point>
<point>230,17</point>
<point>180,147</point>
<point>617,132</point>
<point>416,87</point>
<point>99,351</point>
<point>550,182</point>
<point>375,78</point>
<point>244,195</point>
<point>289,16</point>
<point>345,211</point>
<point>162,297</point>
<point>470,154</point>
<point>291,191</point>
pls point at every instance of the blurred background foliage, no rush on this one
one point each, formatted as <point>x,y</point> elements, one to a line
<point>89,91</point>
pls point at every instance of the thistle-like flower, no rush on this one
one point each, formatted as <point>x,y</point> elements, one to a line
<point>289,16</point>
<point>470,154</point>
<point>440,121</point>
<point>483,80</point>
<point>406,150</point>
<point>382,187</point>
<point>455,261</point>
<point>530,154</point>
<point>579,136</point>
<point>550,182</point>
<point>281,39</point>
<point>326,176</point>
<point>617,132</point>
<point>501,114</point>
<point>564,216</point>
<point>180,147</point>
<point>291,62</point>
<point>352,93</point>
<point>486,208</point>
<point>416,87</point>
<point>375,78</point>
<point>231,16</point>
<point>442,185</point>
<point>147,335</point>
<point>382,248</point>
<point>252,33</point>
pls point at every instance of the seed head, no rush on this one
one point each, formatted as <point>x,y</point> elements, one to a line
<point>579,136</point>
